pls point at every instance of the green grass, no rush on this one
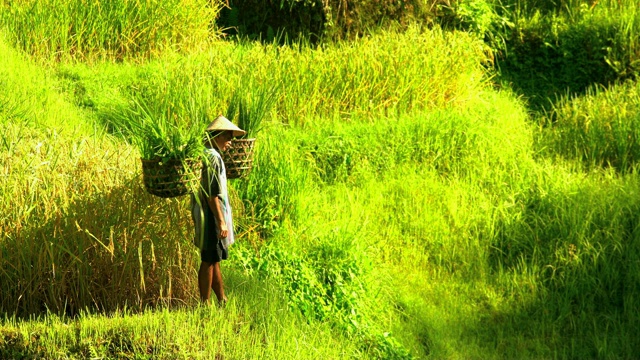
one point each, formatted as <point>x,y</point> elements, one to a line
<point>399,208</point>
<point>74,29</point>
<point>566,47</point>
<point>598,129</point>
<point>367,79</point>
<point>242,330</point>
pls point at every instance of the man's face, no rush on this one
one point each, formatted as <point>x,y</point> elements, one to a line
<point>223,141</point>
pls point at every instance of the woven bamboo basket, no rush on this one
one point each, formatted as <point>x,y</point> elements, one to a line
<point>238,159</point>
<point>172,178</point>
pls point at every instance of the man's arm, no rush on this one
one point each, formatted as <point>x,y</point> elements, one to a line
<point>212,174</point>
<point>216,208</point>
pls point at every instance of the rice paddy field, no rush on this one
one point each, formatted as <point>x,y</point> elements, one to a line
<point>409,199</point>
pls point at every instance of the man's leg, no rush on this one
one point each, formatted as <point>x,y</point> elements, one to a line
<point>205,278</point>
<point>217,285</point>
<point>210,277</point>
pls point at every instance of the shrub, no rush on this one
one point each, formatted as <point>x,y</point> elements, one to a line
<point>315,19</point>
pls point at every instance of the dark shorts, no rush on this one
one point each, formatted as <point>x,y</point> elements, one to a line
<point>212,250</point>
<point>214,253</point>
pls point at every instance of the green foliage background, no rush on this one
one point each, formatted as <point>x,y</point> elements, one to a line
<point>433,180</point>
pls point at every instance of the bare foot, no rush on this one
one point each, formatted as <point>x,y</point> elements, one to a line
<point>222,303</point>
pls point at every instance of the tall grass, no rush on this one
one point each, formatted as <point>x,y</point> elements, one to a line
<point>102,224</point>
<point>567,49</point>
<point>76,235</point>
<point>395,197</point>
<point>568,248</point>
<point>245,329</point>
<point>376,75</point>
<point>367,194</point>
<point>599,128</point>
<point>28,98</point>
<point>108,243</point>
<point>61,29</point>
<point>72,205</point>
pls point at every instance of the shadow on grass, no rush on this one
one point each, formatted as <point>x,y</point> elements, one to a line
<point>548,59</point>
<point>156,333</point>
<point>107,250</point>
<point>270,22</point>
<point>571,264</point>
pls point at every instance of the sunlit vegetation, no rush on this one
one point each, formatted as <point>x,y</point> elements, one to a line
<point>418,191</point>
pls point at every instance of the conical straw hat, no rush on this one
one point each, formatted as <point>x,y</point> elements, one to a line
<point>221,123</point>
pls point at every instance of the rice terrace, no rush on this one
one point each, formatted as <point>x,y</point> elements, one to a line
<point>429,179</point>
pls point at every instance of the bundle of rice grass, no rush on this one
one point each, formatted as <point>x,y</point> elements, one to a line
<point>170,145</point>
<point>249,111</point>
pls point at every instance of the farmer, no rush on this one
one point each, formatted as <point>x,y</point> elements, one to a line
<point>211,210</point>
